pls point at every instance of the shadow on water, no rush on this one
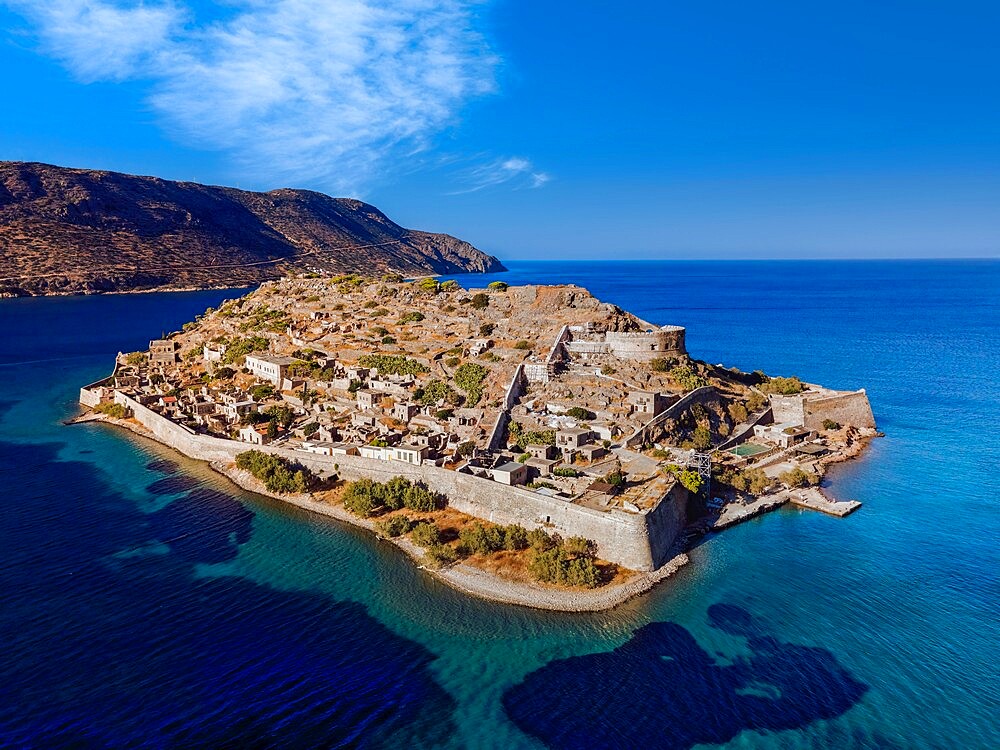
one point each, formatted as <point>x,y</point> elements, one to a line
<point>172,485</point>
<point>661,689</point>
<point>109,650</point>
<point>163,465</point>
<point>204,526</point>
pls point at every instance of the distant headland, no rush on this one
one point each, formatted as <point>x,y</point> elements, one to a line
<point>531,445</point>
<point>79,231</point>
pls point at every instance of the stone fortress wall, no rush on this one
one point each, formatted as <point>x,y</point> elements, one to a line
<point>639,541</point>
<point>811,408</point>
<point>663,341</point>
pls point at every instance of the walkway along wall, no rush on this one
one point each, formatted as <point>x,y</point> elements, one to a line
<point>640,541</point>
<point>641,436</point>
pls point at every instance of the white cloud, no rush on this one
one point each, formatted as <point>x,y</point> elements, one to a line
<point>305,91</point>
<point>514,171</point>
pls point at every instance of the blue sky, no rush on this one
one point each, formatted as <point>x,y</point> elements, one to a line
<point>544,130</point>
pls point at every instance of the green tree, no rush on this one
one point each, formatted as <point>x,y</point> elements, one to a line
<point>440,554</point>
<point>469,377</point>
<point>797,477</point>
<point>394,526</point>
<point>480,301</point>
<point>425,534</point>
<point>701,439</point>
<point>497,286</point>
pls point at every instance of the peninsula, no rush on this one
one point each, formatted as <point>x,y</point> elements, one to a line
<point>82,231</point>
<point>528,444</point>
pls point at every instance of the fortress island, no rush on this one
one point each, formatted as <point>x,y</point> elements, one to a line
<point>531,445</point>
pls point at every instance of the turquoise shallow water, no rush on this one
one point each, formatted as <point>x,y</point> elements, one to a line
<point>146,601</point>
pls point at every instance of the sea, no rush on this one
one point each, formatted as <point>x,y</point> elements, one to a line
<point>147,602</point>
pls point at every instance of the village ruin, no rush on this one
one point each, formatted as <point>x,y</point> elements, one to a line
<point>537,405</point>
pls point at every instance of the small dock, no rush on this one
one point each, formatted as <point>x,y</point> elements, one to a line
<point>813,499</point>
<point>734,513</point>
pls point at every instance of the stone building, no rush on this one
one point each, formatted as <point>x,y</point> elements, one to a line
<point>267,367</point>
<point>163,352</point>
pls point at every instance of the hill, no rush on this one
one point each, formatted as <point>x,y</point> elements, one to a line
<point>83,231</point>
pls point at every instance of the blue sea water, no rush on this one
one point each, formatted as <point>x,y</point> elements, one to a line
<point>147,602</point>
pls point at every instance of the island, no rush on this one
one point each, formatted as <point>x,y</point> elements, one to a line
<point>531,445</point>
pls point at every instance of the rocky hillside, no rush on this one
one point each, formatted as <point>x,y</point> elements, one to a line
<point>81,231</point>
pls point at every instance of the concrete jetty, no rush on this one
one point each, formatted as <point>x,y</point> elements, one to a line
<point>814,499</point>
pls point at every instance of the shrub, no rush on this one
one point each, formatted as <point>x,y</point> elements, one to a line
<point>522,344</point>
<point>515,537</point>
<point>388,340</point>
<point>561,566</point>
<point>540,540</point>
<point>135,358</point>
<point>238,348</point>
<point>479,539</point>
<point>486,329</point>
<point>281,414</point>
<point>115,411</point>
<point>798,478</point>
<point>523,458</point>
<point>469,377</point>
<point>449,286</point>
<point>691,480</point>
<point>223,373</point>
<point>428,285</point>
<point>701,439</point>
<point>425,534</point>
<point>578,545</point>
<point>366,497</point>
<point>452,361</point>
<point>687,378</point>
<point>659,364</point>
<point>261,391</point>
<point>395,526</point>
<point>392,278</point>
<point>829,424</point>
<point>614,478</point>
<point>440,554</point>
<point>578,412</point>
<point>436,391</point>
<point>783,386</point>
<point>414,316</point>
<point>738,412</point>
<point>497,286</point>
<point>532,437</point>
<point>480,301</point>
<point>278,474</point>
<point>392,364</point>
<point>444,413</point>
<point>466,449</point>
<point>756,402</point>
<point>565,471</point>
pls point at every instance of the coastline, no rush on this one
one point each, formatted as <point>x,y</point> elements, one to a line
<point>461,576</point>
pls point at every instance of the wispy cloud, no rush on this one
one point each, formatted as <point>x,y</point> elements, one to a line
<point>306,91</point>
<point>514,171</point>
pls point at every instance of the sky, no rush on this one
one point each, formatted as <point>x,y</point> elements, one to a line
<point>540,130</point>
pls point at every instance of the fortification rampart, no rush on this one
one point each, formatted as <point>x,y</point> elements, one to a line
<point>640,541</point>
<point>811,409</point>
<point>642,435</point>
